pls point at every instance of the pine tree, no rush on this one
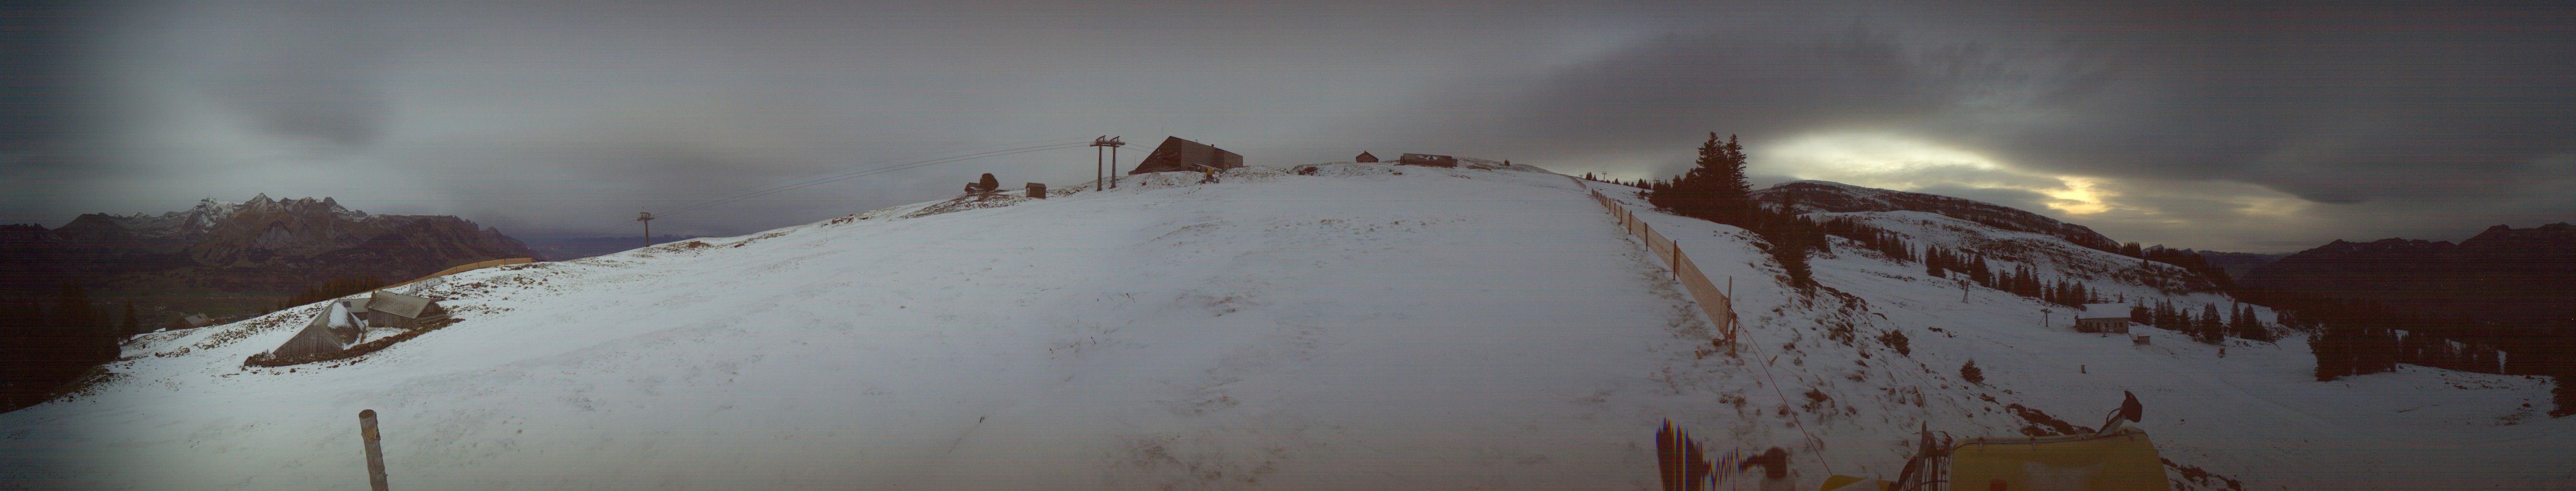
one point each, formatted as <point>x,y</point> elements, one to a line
<point>1714,189</point>
<point>2249,326</point>
<point>2210,329</point>
<point>131,326</point>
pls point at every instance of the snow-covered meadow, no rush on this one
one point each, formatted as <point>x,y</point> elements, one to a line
<point>1368,327</point>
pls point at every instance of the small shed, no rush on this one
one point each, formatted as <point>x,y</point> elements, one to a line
<point>391,309</point>
<point>1365,158</point>
<point>2103,318</point>
<point>1427,159</point>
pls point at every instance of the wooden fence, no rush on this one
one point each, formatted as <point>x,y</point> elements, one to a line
<point>1712,301</point>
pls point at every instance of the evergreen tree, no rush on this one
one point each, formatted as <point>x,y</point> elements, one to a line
<point>131,326</point>
<point>2210,329</point>
<point>2251,326</point>
<point>1978,270</point>
<point>1714,189</point>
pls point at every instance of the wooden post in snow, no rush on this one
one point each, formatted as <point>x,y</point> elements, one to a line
<point>375,449</point>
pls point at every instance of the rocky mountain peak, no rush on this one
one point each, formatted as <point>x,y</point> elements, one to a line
<point>262,244</point>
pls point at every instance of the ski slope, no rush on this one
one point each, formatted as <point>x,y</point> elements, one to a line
<point>1366,327</point>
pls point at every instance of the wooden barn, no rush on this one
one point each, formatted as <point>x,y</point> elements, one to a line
<point>1427,159</point>
<point>1365,158</point>
<point>389,309</point>
<point>2103,318</point>
<point>1178,155</point>
<point>335,329</point>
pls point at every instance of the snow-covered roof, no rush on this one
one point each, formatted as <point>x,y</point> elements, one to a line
<point>2104,311</point>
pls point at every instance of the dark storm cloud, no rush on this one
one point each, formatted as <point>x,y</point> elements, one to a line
<point>2334,103</point>
<point>310,70</point>
<point>42,45</point>
<point>2301,122</point>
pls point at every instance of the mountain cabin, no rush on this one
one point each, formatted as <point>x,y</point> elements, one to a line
<point>2103,318</point>
<point>1178,155</point>
<point>336,328</point>
<point>1365,158</point>
<point>1427,159</point>
<point>389,309</point>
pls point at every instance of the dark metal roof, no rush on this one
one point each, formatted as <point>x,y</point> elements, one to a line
<point>400,305</point>
<point>1178,155</point>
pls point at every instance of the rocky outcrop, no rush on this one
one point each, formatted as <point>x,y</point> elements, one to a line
<point>1835,197</point>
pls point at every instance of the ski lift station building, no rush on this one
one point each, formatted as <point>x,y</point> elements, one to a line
<point>1178,155</point>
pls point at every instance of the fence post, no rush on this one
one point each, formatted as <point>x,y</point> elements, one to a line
<point>1677,260</point>
<point>375,449</point>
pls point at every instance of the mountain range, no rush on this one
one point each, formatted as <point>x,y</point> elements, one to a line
<point>2504,275</point>
<point>225,256</point>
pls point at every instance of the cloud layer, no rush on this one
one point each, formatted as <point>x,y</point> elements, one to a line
<point>2217,125</point>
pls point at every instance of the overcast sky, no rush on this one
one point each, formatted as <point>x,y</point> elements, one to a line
<point>2216,126</point>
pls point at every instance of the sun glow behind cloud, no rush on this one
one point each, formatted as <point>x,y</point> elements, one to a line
<point>1891,161</point>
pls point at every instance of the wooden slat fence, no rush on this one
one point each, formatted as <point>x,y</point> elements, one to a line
<point>1712,301</point>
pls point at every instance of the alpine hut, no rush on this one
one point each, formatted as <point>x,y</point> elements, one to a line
<point>1178,155</point>
<point>1427,159</point>
<point>2103,318</point>
<point>391,309</point>
<point>337,328</point>
<point>1365,158</point>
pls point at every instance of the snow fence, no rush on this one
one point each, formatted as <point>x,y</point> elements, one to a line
<point>1712,301</point>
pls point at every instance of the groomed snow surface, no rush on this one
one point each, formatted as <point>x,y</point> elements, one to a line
<point>1366,327</point>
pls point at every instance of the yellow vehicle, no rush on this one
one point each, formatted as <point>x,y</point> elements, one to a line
<point>2119,457</point>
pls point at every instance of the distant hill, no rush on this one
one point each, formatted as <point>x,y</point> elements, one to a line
<point>2238,264</point>
<point>570,248</point>
<point>2503,275</point>
<point>232,257</point>
<point>1834,197</point>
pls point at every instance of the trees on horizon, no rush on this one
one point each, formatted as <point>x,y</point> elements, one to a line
<point>46,343</point>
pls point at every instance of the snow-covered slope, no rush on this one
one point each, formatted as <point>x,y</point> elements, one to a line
<point>1365,326</point>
